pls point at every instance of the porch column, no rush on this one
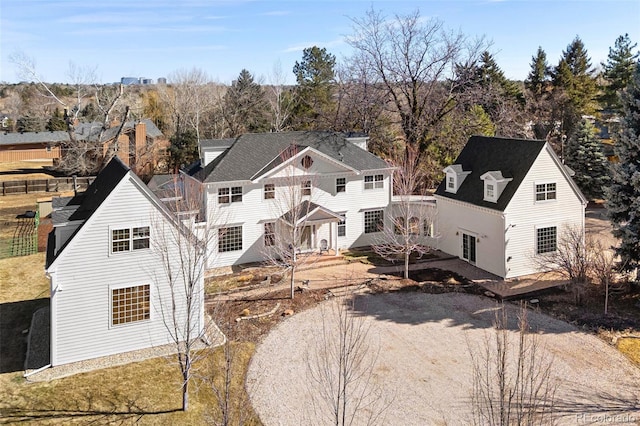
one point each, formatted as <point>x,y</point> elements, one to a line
<point>335,237</point>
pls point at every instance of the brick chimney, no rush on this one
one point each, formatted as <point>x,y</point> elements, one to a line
<point>140,138</point>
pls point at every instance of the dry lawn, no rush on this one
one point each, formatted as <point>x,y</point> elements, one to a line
<point>146,392</point>
<point>21,170</point>
<point>631,348</point>
<point>14,205</point>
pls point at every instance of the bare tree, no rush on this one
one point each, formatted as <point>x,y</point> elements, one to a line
<point>288,236</point>
<point>512,382</point>
<point>190,98</point>
<point>182,247</point>
<point>603,268</point>
<point>413,215</point>
<point>414,60</point>
<point>572,257</point>
<point>84,154</point>
<point>280,99</point>
<point>341,368</point>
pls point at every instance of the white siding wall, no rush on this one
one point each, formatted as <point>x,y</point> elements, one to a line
<point>487,225</point>
<point>86,270</point>
<point>254,210</point>
<point>525,213</point>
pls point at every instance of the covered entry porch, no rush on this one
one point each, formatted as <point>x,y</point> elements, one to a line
<point>313,227</point>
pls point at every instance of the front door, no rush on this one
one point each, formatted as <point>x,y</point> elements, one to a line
<point>305,238</point>
<point>469,248</point>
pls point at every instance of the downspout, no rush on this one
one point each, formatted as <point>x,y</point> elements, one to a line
<point>26,375</point>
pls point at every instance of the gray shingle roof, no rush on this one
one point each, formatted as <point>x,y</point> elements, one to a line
<point>513,157</point>
<point>83,131</point>
<point>216,143</point>
<point>33,137</point>
<point>261,152</point>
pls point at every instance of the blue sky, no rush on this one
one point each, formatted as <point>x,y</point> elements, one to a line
<point>153,38</point>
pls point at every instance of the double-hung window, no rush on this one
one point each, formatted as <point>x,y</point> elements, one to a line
<point>269,234</point>
<point>230,195</point>
<point>306,187</point>
<point>373,181</point>
<point>269,191</point>
<point>342,227</point>
<point>128,239</point>
<point>545,191</point>
<point>341,185</point>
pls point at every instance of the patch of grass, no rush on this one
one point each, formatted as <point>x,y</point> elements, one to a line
<point>630,347</point>
<point>126,394</point>
<point>21,170</point>
<point>23,278</point>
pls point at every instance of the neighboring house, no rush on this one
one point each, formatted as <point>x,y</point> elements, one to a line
<point>140,145</point>
<point>31,145</point>
<point>108,286</point>
<point>505,201</point>
<point>343,191</point>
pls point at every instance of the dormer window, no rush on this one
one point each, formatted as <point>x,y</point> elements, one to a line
<point>494,184</point>
<point>455,177</point>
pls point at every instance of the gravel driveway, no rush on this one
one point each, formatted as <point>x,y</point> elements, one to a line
<point>424,368</point>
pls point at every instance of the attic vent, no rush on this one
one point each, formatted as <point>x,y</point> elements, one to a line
<point>307,162</point>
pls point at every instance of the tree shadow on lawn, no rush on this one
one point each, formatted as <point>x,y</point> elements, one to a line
<point>15,317</point>
<point>589,404</point>
<point>112,406</point>
<point>453,309</point>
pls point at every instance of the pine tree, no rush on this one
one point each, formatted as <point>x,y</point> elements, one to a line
<point>537,81</point>
<point>623,197</point>
<point>618,72</point>
<point>575,77</point>
<point>315,76</point>
<point>245,106</point>
<point>585,157</point>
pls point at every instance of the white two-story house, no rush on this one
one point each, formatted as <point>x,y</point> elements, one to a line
<point>505,201</point>
<point>253,186</point>
<point>107,261</point>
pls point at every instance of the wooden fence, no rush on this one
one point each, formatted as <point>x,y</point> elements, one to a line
<point>45,185</point>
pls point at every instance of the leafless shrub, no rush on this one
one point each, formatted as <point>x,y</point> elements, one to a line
<point>603,269</point>
<point>512,382</point>
<point>341,369</point>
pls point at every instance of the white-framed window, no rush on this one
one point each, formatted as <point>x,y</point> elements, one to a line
<point>451,182</point>
<point>414,226</point>
<point>546,239</point>
<point>230,239</point>
<point>428,228</point>
<point>230,195</point>
<point>306,187</point>
<point>130,304</point>
<point>269,234</point>
<point>129,239</point>
<point>341,185</point>
<point>373,181</point>
<point>398,225</point>
<point>342,227</point>
<point>373,221</point>
<point>545,191</point>
<point>490,190</point>
<point>269,191</point>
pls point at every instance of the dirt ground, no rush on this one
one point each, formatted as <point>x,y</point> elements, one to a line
<point>423,367</point>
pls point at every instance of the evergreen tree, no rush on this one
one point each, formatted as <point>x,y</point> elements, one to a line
<point>618,72</point>
<point>245,106</point>
<point>56,122</point>
<point>537,81</point>
<point>491,76</point>
<point>585,157</point>
<point>27,123</point>
<point>315,77</point>
<point>183,149</point>
<point>575,77</point>
<point>623,197</point>
<point>539,105</point>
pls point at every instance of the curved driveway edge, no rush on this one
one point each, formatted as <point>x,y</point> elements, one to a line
<point>424,366</point>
